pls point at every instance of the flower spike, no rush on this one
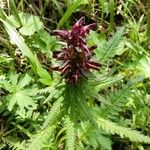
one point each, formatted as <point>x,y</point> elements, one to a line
<point>76,56</point>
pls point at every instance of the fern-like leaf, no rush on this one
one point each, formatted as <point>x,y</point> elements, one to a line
<point>70,134</point>
<point>109,48</point>
<point>54,112</point>
<point>119,98</point>
<point>108,82</point>
<point>123,132</point>
<point>75,102</point>
<point>94,137</point>
<point>37,141</point>
<point>13,143</point>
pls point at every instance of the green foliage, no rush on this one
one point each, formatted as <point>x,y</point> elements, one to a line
<point>37,141</point>
<point>75,102</point>
<point>17,39</point>
<point>71,8</point>
<point>113,128</point>
<point>18,89</point>
<point>42,40</point>
<point>70,134</point>
<point>93,137</point>
<point>14,11</point>
<point>110,47</point>
<point>107,82</point>
<point>119,98</point>
<point>110,108</point>
<point>143,66</point>
<point>29,23</point>
<point>54,112</point>
<point>106,49</point>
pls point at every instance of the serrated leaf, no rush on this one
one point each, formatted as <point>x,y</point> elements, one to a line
<point>24,81</point>
<point>22,100</point>
<point>30,23</point>
<point>123,132</point>
<point>144,66</point>
<point>44,41</point>
<point>13,78</point>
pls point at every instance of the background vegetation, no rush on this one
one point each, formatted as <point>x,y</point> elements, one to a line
<point>39,111</point>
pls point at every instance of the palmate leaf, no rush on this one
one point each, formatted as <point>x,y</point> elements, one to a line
<point>22,99</point>
<point>123,132</point>
<point>6,85</point>
<point>43,41</point>
<point>19,94</point>
<point>13,78</point>
<point>30,23</point>
<point>26,80</point>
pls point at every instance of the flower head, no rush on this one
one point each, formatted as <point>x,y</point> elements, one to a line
<point>76,56</point>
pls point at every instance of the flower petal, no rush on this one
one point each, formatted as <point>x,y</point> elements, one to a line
<point>87,28</point>
<point>62,33</point>
<point>79,22</point>
<point>93,65</point>
<point>65,69</point>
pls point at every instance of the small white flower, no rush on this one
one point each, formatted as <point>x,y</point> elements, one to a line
<point>2,4</point>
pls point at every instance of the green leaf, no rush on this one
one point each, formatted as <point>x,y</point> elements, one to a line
<point>54,112</point>
<point>30,23</point>
<point>18,40</point>
<point>14,11</point>
<point>71,8</point>
<point>22,100</point>
<point>4,59</point>
<point>108,82</point>
<point>37,141</point>
<point>70,134</point>
<point>106,49</point>
<point>13,78</point>
<point>44,41</point>
<point>24,81</point>
<point>109,48</point>
<point>124,132</point>
<point>144,66</point>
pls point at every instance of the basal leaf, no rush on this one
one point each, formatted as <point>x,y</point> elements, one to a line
<point>24,81</point>
<point>22,100</point>
<point>30,23</point>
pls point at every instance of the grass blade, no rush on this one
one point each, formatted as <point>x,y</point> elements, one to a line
<point>18,40</point>
<point>72,7</point>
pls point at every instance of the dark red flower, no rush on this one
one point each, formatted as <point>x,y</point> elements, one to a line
<point>76,57</point>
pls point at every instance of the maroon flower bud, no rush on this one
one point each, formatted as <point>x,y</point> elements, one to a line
<point>76,57</point>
